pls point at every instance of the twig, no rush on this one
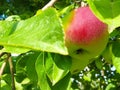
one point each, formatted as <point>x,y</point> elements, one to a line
<point>3,53</point>
<point>9,59</point>
<point>2,68</point>
<point>49,4</point>
<point>3,65</point>
<point>11,71</point>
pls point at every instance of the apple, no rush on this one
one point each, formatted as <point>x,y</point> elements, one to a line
<point>85,37</point>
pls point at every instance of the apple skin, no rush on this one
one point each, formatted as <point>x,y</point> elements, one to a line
<point>85,37</point>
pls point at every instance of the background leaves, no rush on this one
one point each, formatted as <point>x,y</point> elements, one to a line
<point>42,62</point>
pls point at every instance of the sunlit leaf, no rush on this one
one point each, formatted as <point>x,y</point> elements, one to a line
<point>41,32</point>
<point>4,86</point>
<point>111,86</point>
<point>40,69</point>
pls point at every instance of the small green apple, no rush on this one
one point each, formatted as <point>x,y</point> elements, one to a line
<point>85,37</point>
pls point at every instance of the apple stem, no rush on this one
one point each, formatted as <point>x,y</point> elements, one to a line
<point>49,4</point>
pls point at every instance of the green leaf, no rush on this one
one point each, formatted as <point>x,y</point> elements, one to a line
<point>108,11</point>
<point>26,66</point>
<point>21,69</point>
<point>13,18</point>
<point>4,85</point>
<point>7,28</point>
<point>30,66</point>
<point>107,54</point>
<point>40,69</point>
<point>87,77</point>
<point>7,78</point>
<point>63,84</point>
<point>41,32</point>
<point>57,66</point>
<point>115,34</point>
<point>111,86</point>
<point>99,63</point>
<point>116,55</point>
<point>48,70</point>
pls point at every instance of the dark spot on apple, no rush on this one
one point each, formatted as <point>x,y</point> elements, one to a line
<point>80,51</point>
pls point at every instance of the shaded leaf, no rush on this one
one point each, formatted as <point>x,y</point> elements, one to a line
<point>57,66</point>
<point>25,67</point>
<point>30,67</point>
<point>99,63</point>
<point>116,55</point>
<point>63,84</point>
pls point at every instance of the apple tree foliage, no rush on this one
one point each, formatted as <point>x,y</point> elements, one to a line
<point>33,55</point>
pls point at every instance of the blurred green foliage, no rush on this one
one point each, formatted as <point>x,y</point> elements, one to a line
<point>99,75</point>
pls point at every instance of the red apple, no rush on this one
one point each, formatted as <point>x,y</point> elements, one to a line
<point>85,37</point>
